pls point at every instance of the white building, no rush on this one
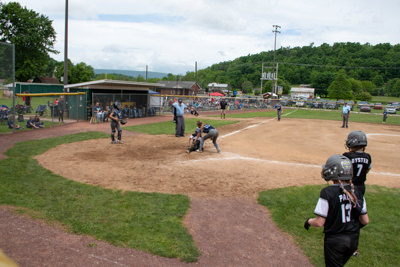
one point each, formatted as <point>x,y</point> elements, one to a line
<point>301,92</point>
<point>215,87</point>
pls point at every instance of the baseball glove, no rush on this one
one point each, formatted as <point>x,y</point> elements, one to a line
<point>124,121</point>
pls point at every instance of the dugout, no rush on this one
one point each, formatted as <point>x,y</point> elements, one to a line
<point>133,96</point>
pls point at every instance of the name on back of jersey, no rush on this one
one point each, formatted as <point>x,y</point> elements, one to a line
<point>343,197</point>
<point>360,160</point>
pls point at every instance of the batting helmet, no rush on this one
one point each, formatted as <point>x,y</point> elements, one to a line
<point>117,105</point>
<point>356,138</point>
<point>124,121</point>
<point>337,167</point>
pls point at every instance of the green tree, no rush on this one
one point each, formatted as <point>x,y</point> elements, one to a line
<point>364,96</point>
<point>33,36</point>
<point>340,88</point>
<point>247,87</point>
<point>78,73</point>
<point>356,86</point>
<point>321,81</point>
<point>368,86</point>
<point>393,87</point>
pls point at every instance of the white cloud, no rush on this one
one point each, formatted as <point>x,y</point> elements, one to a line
<point>170,35</point>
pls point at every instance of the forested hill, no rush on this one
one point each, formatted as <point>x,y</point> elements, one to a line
<point>315,65</point>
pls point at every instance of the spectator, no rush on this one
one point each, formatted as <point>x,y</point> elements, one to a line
<point>37,121</point>
<point>97,113</point>
<point>60,109</point>
<point>11,123</point>
<point>31,123</point>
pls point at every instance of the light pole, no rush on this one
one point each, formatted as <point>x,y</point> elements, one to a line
<point>66,46</point>
<point>275,67</point>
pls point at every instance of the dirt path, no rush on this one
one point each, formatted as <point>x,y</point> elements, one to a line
<point>228,226</point>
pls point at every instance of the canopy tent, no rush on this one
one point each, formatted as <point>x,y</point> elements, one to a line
<point>216,94</point>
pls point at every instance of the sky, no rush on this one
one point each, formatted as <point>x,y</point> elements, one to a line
<point>171,35</point>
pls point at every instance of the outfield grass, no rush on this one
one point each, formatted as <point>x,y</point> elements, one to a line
<point>168,127</point>
<point>385,99</point>
<point>151,222</point>
<point>322,115</point>
<point>379,241</point>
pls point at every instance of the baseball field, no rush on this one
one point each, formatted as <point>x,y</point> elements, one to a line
<point>227,224</point>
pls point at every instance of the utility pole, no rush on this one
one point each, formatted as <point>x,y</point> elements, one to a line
<point>64,102</point>
<point>66,46</point>
<point>275,31</point>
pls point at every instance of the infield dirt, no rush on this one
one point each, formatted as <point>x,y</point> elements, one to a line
<point>270,155</point>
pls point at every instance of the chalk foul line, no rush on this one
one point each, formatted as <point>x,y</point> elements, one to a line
<point>252,126</point>
<point>267,161</point>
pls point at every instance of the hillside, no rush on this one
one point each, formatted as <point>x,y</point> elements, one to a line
<point>131,73</point>
<point>315,65</point>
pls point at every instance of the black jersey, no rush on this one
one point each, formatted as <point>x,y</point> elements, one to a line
<point>335,206</point>
<point>223,104</point>
<point>361,164</point>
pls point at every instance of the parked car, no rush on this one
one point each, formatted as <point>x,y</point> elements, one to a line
<point>299,103</point>
<point>361,103</point>
<point>331,105</point>
<point>378,106</point>
<point>365,108</point>
<point>390,109</point>
<point>396,105</point>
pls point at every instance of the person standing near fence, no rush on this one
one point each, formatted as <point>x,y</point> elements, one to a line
<point>180,121</point>
<point>60,109</point>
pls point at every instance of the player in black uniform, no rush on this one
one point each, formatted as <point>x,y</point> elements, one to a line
<point>115,117</point>
<point>341,209</point>
<point>356,143</point>
<point>222,106</point>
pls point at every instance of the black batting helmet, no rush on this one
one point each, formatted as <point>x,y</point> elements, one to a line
<point>337,167</point>
<point>356,139</point>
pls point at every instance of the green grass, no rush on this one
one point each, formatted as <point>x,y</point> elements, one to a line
<point>151,222</point>
<point>253,114</point>
<point>4,127</point>
<point>385,99</point>
<point>322,115</point>
<point>35,101</point>
<point>379,241</point>
<point>168,127</point>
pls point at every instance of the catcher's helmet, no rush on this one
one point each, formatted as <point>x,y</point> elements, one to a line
<point>337,167</point>
<point>124,121</point>
<point>356,138</point>
<point>117,105</point>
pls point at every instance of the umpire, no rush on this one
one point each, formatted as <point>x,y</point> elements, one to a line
<point>180,122</point>
<point>345,115</point>
<point>341,210</point>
